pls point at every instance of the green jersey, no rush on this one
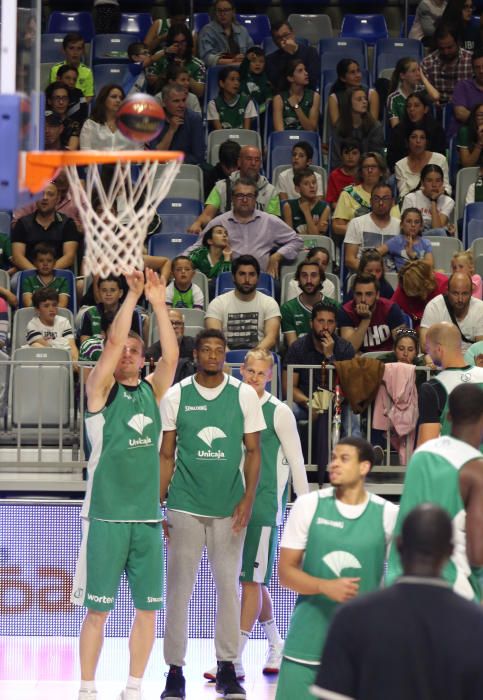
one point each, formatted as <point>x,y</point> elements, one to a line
<point>432,476</point>
<point>200,257</point>
<point>232,114</point>
<point>123,469</point>
<point>258,88</point>
<point>209,458</point>
<point>195,67</point>
<point>451,378</point>
<point>32,283</point>
<point>289,115</point>
<point>336,546</point>
<point>296,316</point>
<point>5,252</point>
<point>299,222</point>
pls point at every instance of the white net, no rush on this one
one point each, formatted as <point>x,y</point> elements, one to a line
<point>116,216</point>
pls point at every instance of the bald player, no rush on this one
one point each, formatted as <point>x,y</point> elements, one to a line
<point>449,471</point>
<point>443,344</point>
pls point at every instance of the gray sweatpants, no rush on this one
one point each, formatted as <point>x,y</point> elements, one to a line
<point>188,534</point>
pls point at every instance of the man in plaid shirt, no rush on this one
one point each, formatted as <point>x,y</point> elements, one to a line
<point>448,64</point>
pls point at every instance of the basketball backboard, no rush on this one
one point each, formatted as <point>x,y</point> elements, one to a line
<point>20,97</point>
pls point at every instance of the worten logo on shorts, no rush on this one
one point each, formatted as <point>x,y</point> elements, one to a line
<point>338,561</point>
<point>138,423</point>
<point>208,435</point>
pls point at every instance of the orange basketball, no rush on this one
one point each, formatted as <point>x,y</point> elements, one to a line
<point>140,118</point>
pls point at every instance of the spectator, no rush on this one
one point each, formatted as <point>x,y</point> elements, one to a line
<point>297,313</point>
<point>47,329</point>
<point>140,66</point>
<point>214,256</point>
<point>470,140</point>
<point>408,170</point>
<point>107,16</point>
<point>321,256</point>
<point>254,80</point>
<point>364,230</point>
<point>443,347</point>
<point>288,50</point>
<point>228,155</point>
<point>369,322</point>
<point>57,98</point>
<point>181,292</point>
<point>183,130</point>
<point>346,175</point>
<point>417,112</point>
<point>78,108</point>
<point>302,153</point>
<point>409,244</point>
<point>296,107</point>
<point>459,14</point>
<point>371,262</point>
<point>448,64</point>
<point>219,199</point>
<point>355,122</point>
<point>406,79</point>
<point>349,75</point>
<point>157,34</point>
<point>73,46</point>
<point>230,109</point>
<point>179,75</point>
<point>186,343</point>
<point>53,130</point>
<point>65,203</point>
<point>428,14</point>
<point>44,262</point>
<point>247,317</point>
<point>179,50</point>
<point>45,225</point>
<point>405,349</point>
<point>100,131</point>
<point>111,294</point>
<point>468,93</point>
<point>464,262</point>
<point>418,285</point>
<point>355,200</point>
<point>255,232</point>
<point>457,306</point>
<point>6,262</point>
<point>432,201</point>
<point>309,214</point>
<point>223,40</point>
<point>474,354</point>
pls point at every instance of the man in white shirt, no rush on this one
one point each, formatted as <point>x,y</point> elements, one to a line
<point>457,307</point>
<point>247,317</point>
<point>378,221</point>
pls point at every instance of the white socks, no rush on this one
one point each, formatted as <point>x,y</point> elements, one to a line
<point>244,637</point>
<point>88,686</point>
<point>271,632</point>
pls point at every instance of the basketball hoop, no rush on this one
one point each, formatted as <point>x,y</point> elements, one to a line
<point>116,231</point>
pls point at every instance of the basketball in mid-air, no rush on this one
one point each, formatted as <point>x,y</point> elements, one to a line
<point>140,118</point>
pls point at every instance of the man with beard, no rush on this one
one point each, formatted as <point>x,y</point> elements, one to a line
<point>457,306</point>
<point>297,313</point>
<point>448,64</point>
<point>369,322</point>
<point>247,317</point>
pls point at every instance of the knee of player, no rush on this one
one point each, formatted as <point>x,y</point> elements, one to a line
<point>97,617</point>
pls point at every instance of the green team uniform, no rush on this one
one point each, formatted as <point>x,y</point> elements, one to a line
<point>208,477</point>
<point>296,316</point>
<point>258,88</point>
<point>121,510</point>
<point>298,218</point>
<point>201,261</point>
<point>336,547</point>
<point>5,252</point>
<point>289,115</point>
<point>432,475</point>
<point>195,67</point>
<point>231,115</point>
<point>451,378</point>
<point>32,283</point>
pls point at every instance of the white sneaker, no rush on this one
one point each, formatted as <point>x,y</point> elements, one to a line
<point>239,670</point>
<point>130,694</point>
<point>87,695</point>
<point>273,660</point>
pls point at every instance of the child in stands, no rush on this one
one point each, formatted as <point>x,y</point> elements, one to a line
<point>309,214</point>
<point>181,293</point>
<point>464,262</point>
<point>302,154</point>
<point>44,262</point>
<point>231,109</point>
<point>47,329</point>
<point>347,174</point>
<point>214,255</point>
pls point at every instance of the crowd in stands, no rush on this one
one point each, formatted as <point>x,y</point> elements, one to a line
<point>392,148</point>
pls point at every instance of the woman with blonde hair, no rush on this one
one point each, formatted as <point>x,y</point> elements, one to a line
<point>418,284</point>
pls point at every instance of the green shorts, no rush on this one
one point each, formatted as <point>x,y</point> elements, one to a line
<point>259,553</point>
<point>295,679</point>
<point>108,549</point>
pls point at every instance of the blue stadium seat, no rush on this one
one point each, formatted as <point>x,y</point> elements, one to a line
<point>111,48</point>
<point>330,59</point>
<point>105,73</point>
<point>472,223</point>
<point>67,274</point>
<point>280,144</point>
<point>343,45</point>
<point>199,21</point>
<point>389,51</point>
<point>407,319</point>
<point>135,23</point>
<point>67,22</point>
<point>411,19</point>
<point>51,48</point>
<point>168,245</point>
<point>370,28</point>
<point>177,205</point>
<point>258,26</point>
<point>328,78</point>
<point>5,222</point>
<point>225,283</point>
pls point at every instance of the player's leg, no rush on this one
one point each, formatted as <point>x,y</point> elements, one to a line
<point>275,641</point>
<point>295,679</point>
<point>90,646</point>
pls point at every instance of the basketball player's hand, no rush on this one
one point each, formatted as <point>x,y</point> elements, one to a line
<point>363,311</point>
<point>241,515</point>
<point>135,282</point>
<point>341,589</point>
<point>155,288</point>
